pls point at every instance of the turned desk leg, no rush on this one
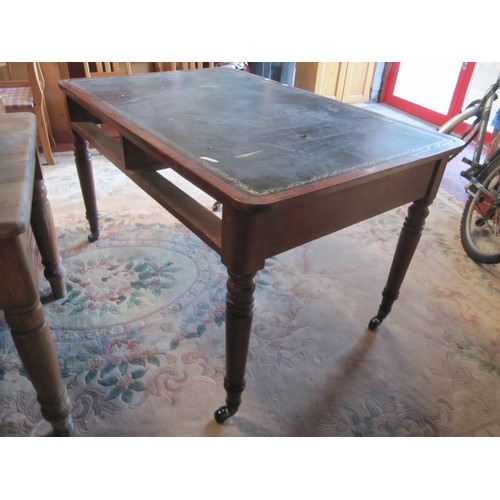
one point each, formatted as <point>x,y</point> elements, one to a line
<point>407,244</point>
<point>83,162</point>
<point>42,225</point>
<point>239,312</point>
<point>25,316</point>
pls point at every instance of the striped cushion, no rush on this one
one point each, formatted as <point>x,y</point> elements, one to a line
<point>16,97</point>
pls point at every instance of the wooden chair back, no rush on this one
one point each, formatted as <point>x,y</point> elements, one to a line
<point>174,66</point>
<point>104,69</point>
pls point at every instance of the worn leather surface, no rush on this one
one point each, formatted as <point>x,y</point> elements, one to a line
<point>256,134</point>
<point>17,164</point>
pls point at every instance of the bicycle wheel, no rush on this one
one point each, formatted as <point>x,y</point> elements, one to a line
<point>480,223</point>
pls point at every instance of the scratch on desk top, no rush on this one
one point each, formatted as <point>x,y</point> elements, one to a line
<point>246,155</point>
<point>209,159</point>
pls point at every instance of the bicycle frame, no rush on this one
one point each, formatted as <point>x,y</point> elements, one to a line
<point>450,125</point>
<point>483,125</point>
<point>481,109</point>
<point>479,224</point>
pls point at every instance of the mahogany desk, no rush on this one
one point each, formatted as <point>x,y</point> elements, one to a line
<point>26,218</point>
<point>287,166</point>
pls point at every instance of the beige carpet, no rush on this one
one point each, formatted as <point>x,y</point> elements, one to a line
<point>140,336</point>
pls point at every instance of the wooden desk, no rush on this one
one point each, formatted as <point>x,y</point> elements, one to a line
<point>288,167</point>
<point>25,212</point>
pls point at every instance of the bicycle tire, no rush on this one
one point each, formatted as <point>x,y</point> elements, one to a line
<point>480,222</point>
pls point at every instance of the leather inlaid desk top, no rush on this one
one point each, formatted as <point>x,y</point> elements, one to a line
<point>257,136</point>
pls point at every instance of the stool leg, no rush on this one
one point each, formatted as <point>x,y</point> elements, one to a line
<point>42,224</point>
<point>31,335</point>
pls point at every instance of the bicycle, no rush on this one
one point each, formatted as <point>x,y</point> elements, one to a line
<point>480,221</point>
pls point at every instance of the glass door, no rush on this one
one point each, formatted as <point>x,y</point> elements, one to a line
<point>485,74</point>
<point>431,91</point>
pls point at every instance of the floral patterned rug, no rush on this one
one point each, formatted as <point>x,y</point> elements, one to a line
<point>140,334</point>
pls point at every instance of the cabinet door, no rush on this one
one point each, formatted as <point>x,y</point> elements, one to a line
<point>323,78</point>
<point>344,81</point>
<point>358,81</point>
<point>56,103</point>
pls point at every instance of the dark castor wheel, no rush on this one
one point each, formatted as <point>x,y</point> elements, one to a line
<point>223,413</point>
<point>374,323</point>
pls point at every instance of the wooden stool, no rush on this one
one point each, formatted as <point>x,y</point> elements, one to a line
<point>20,96</point>
<point>25,213</point>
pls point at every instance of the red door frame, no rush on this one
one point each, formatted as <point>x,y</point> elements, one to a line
<point>421,112</point>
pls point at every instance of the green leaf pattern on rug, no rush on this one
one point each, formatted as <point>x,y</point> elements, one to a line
<point>120,283</point>
<point>125,364</point>
<point>486,354</point>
